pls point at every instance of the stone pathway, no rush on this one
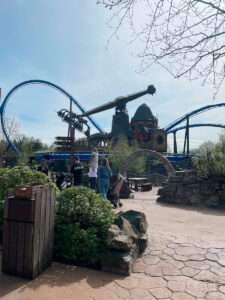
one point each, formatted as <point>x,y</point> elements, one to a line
<point>185,260</point>
<point>173,270</point>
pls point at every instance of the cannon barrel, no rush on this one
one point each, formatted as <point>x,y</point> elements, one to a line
<point>120,101</point>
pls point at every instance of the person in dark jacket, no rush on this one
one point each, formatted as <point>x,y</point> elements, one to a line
<point>104,173</point>
<point>76,171</point>
<point>43,167</point>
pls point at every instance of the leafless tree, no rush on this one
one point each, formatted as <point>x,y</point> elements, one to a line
<point>186,37</point>
<point>13,130</point>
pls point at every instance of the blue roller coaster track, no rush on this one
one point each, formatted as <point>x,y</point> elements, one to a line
<point>192,114</point>
<point>44,82</point>
<point>169,128</point>
<point>196,125</point>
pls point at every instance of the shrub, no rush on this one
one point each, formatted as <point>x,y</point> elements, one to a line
<point>82,221</point>
<point>11,177</point>
<point>212,157</point>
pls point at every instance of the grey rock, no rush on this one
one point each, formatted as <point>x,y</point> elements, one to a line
<point>137,219</point>
<point>194,199</point>
<point>142,243</point>
<point>120,242</point>
<point>193,190</point>
<point>113,231</point>
<point>120,262</point>
<point>180,191</point>
<point>175,179</point>
<point>126,240</point>
<point>213,201</point>
<point>192,180</point>
<point>127,228</point>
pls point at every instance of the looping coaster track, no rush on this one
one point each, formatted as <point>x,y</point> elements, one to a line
<point>171,128</point>
<point>43,82</point>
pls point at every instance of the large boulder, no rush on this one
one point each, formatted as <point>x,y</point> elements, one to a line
<point>126,240</point>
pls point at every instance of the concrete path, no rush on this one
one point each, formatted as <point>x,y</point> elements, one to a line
<point>185,260</point>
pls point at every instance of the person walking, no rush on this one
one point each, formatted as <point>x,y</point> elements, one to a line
<point>104,173</point>
<point>93,166</point>
<point>76,171</point>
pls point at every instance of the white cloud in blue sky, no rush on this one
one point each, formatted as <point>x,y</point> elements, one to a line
<point>65,42</point>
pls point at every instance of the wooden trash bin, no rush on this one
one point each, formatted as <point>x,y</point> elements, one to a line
<point>28,230</point>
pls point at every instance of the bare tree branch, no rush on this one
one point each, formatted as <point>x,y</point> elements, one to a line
<point>211,4</point>
<point>186,37</point>
<point>13,130</point>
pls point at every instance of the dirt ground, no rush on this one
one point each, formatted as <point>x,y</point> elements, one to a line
<point>185,260</point>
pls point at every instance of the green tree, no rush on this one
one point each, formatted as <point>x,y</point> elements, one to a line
<point>211,157</point>
<point>27,147</point>
<point>121,151</point>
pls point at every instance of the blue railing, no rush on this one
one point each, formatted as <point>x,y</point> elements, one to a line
<point>86,155</point>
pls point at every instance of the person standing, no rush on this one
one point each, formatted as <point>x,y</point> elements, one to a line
<point>43,167</point>
<point>93,166</point>
<point>76,171</point>
<point>104,173</point>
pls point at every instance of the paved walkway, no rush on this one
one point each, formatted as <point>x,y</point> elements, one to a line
<point>185,260</point>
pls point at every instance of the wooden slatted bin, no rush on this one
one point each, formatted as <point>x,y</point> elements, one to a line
<point>28,230</point>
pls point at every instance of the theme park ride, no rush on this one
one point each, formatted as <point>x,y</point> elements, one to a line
<point>171,128</point>
<point>142,128</point>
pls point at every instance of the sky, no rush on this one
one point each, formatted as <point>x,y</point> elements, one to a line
<point>65,42</point>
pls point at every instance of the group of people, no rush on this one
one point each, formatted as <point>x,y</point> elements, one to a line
<point>97,174</point>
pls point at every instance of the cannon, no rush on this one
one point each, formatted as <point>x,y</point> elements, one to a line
<point>120,102</point>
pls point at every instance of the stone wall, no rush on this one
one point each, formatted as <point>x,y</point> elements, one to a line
<point>189,189</point>
<point>157,179</point>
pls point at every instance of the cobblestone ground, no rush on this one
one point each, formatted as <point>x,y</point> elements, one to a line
<point>185,260</point>
<point>174,270</point>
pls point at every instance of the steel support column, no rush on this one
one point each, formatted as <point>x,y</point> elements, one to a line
<point>174,142</point>
<point>188,137</point>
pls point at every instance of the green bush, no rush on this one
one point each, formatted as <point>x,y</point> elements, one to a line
<point>1,219</point>
<point>212,157</point>
<point>81,224</point>
<point>11,177</point>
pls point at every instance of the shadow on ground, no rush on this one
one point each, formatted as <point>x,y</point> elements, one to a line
<point>200,209</point>
<point>58,275</point>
